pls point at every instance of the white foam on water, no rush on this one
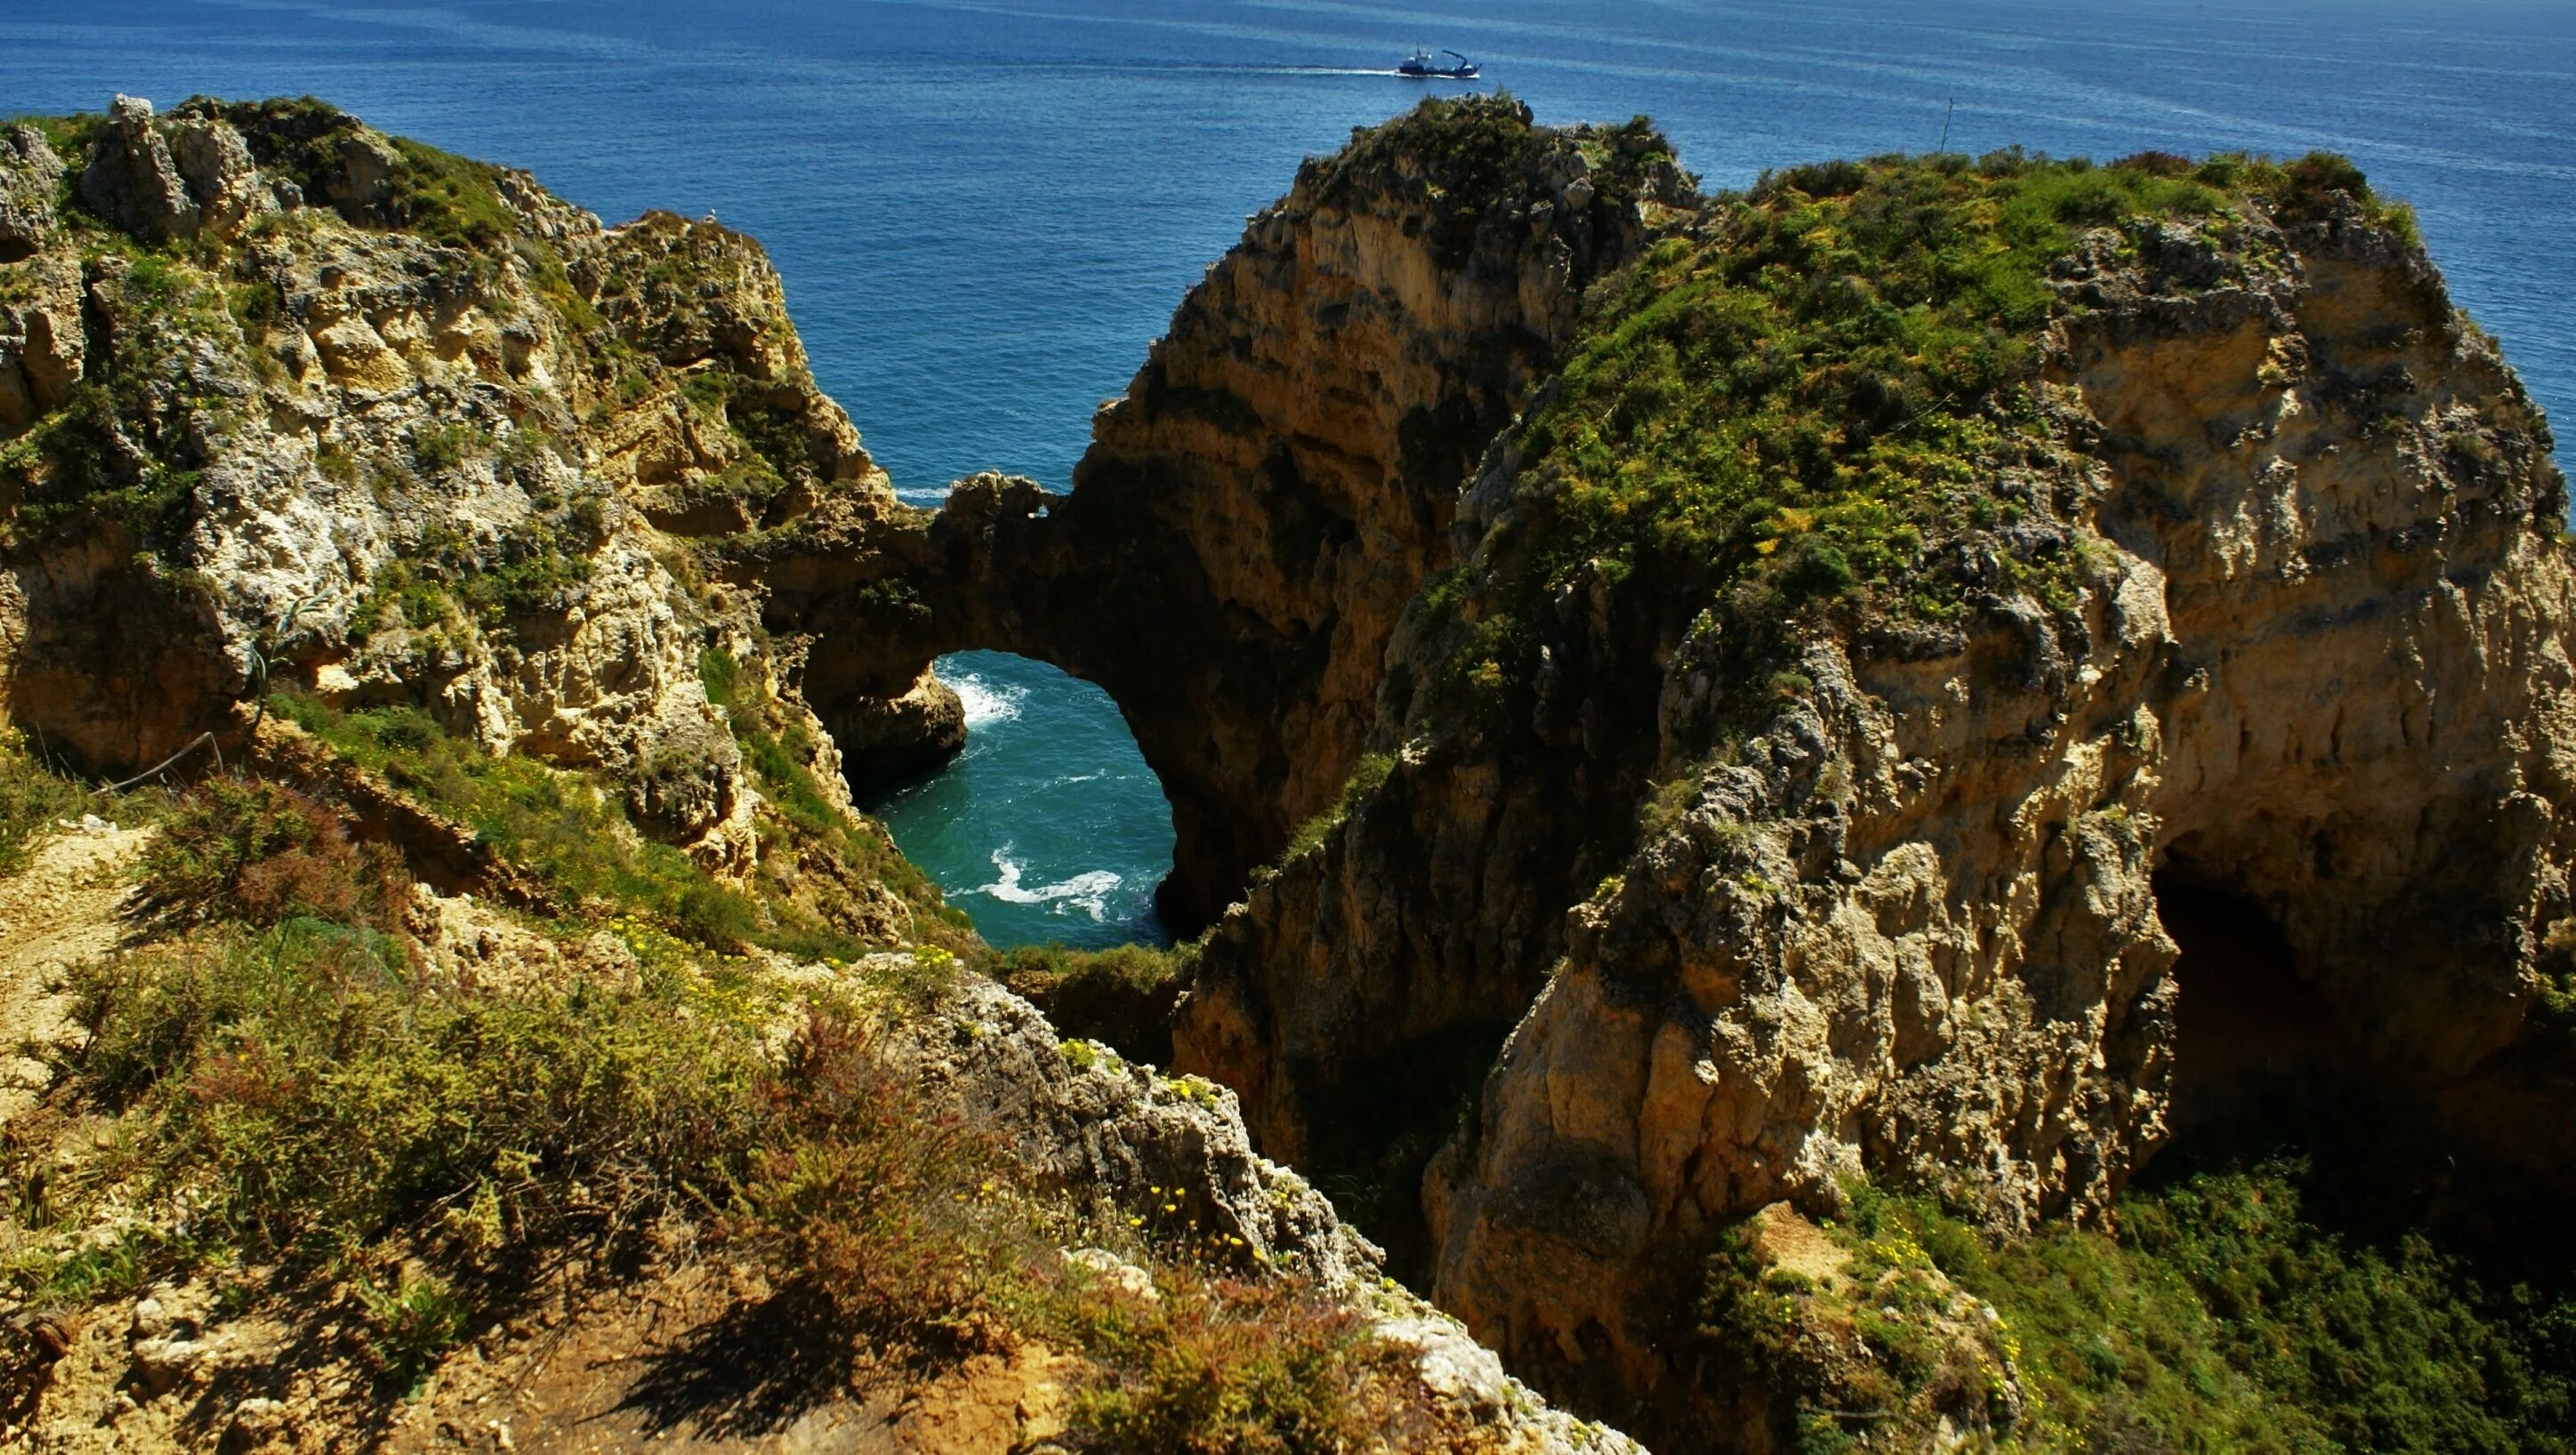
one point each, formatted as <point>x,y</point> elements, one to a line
<point>986,704</point>
<point>1088,892</point>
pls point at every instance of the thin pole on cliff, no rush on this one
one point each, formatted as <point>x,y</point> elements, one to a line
<point>1945,125</point>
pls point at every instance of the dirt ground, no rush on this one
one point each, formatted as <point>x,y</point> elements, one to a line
<point>66,907</point>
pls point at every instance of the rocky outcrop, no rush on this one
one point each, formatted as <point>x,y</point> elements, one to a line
<point>133,181</point>
<point>1668,871</point>
<point>1279,479</point>
<point>29,175</point>
<point>1118,1136</point>
<point>437,438</point>
<point>1772,901</point>
<point>401,430</point>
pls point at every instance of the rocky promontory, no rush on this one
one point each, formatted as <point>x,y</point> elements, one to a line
<point>1919,807</point>
<point>480,1017</point>
<point>1909,598</point>
<point>1279,479</point>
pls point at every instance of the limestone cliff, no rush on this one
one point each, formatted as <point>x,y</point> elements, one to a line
<point>1278,481</point>
<point>1816,832</point>
<point>293,401</point>
<point>1900,592</point>
<point>1684,712</point>
<point>537,1036</point>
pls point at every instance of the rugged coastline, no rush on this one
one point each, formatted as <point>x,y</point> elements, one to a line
<point>1747,763</point>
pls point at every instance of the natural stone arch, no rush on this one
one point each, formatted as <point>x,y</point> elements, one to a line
<point>1280,479</point>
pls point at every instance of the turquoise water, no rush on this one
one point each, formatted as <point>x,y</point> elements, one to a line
<point>1082,835</point>
<point>985,211</point>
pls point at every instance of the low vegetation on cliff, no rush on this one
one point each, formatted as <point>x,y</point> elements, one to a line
<point>1465,159</point>
<point>1826,395</point>
<point>2227,1313</point>
<point>502,951</point>
<point>307,1094</point>
<point>1121,997</point>
<point>526,955</point>
<point>1880,498</point>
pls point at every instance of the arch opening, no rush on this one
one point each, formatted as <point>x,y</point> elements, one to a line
<point>2254,1040</point>
<point>1048,828</point>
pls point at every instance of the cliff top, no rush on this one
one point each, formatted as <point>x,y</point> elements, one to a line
<point>496,972</point>
<point>1840,392</point>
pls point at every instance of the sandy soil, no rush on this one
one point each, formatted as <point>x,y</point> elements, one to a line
<point>65,908</point>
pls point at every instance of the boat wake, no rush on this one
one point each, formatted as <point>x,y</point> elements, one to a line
<point>1228,68</point>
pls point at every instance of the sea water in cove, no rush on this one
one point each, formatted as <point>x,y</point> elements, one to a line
<point>985,211</point>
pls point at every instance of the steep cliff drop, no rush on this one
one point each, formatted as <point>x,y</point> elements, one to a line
<point>1768,778</point>
<point>496,1027</point>
<point>1824,683</point>
<point>1686,713</point>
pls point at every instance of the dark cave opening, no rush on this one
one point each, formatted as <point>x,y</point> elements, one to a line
<point>2270,1069</point>
<point>2254,1044</point>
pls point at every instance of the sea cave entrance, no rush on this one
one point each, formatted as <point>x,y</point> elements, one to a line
<point>1049,828</point>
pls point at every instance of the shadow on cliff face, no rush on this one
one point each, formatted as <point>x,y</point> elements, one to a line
<point>1377,1123</point>
<point>2267,1068</point>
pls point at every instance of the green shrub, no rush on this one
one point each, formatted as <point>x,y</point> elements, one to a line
<point>411,1325</point>
<point>1367,776</point>
<point>1802,404</point>
<point>2224,1316</point>
<point>310,1093</point>
<point>307,1091</point>
<point>259,852</point>
<point>1812,390</point>
<point>1470,159</point>
<point>559,825</point>
<point>74,471</point>
<point>450,200</point>
<point>900,1221</point>
<point>32,799</point>
<point>441,447</point>
<point>1218,1366</point>
<point>778,753</point>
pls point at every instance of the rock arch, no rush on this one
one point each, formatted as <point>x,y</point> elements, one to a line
<point>1278,481</point>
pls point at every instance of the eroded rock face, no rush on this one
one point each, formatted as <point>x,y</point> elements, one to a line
<point>29,175</point>
<point>1280,477</point>
<point>133,182</point>
<point>1118,1136</point>
<point>417,445</point>
<point>1907,927</point>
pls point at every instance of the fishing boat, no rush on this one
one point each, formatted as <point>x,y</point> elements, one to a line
<point>1422,65</point>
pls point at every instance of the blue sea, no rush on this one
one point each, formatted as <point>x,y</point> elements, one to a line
<point>984,211</point>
